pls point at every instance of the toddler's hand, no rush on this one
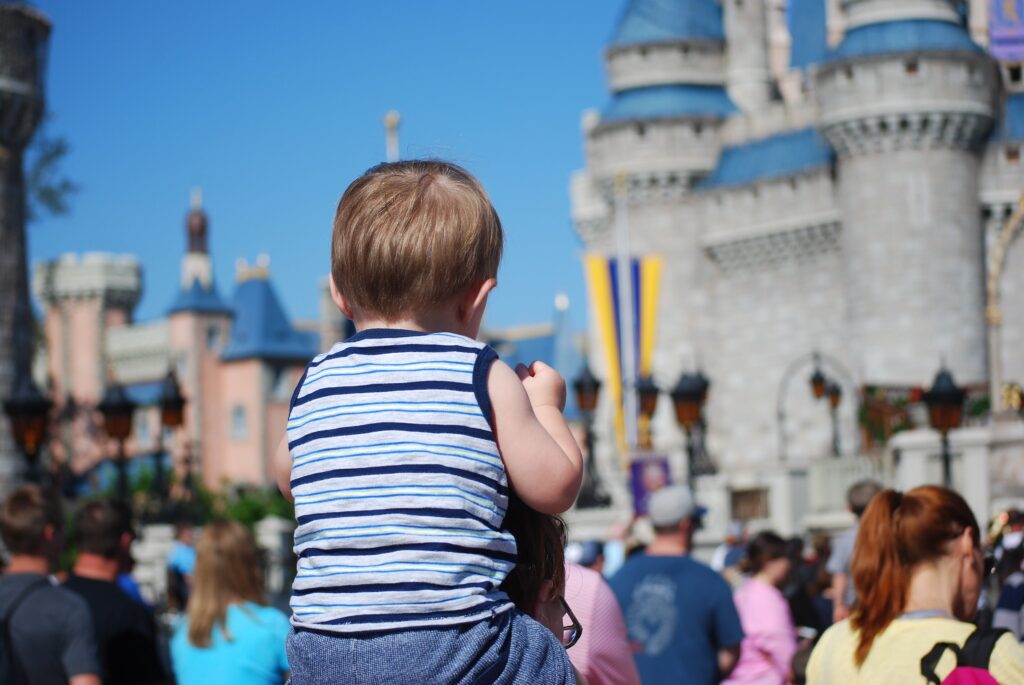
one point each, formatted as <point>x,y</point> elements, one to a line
<point>544,386</point>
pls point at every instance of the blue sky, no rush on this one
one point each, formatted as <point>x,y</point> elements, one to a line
<point>273,108</point>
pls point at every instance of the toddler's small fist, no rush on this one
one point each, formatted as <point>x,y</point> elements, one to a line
<point>544,386</point>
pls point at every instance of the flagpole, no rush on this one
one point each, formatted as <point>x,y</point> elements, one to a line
<point>624,275</point>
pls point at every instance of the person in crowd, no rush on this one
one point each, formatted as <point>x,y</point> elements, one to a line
<point>679,613</point>
<point>603,653</point>
<point>729,554</point>
<point>588,554</point>
<point>770,641</point>
<point>415,431</point>
<point>857,499</point>
<point>918,571</point>
<point>1009,610</point>
<point>229,635</point>
<point>799,588</point>
<point>47,635</point>
<point>180,565</point>
<point>125,631</point>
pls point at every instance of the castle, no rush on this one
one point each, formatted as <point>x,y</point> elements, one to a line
<point>819,176</point>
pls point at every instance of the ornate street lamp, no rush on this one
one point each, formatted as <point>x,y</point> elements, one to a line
<point>945,401</point>
<point>172,416</point>
<point>688,397</point>
<point>818,380</point>
<point>29,412</point>
<point>592,492</point>
<point>647,394</point>
<point>118,411</point>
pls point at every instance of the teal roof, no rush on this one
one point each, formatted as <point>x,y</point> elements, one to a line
<point>199,300</point>
<point>1012,125</point>
<point>653,21</point>
<point>909,36</point>
<point>807,20</point>
<point>668,102</point>
<point>777,156</point>
<point>262,330</point>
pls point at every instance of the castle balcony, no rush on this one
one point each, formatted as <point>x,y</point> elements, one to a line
<point>698,62</point>
<point>828,480</point>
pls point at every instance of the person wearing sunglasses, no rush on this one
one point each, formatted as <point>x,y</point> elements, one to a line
<point>918,571</point>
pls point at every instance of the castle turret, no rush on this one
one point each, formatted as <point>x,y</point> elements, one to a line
<point>907,100</point>
<point>747,73</point>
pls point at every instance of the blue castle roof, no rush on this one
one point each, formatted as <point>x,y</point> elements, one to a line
<point>652,21</point>
<point>1012,125</point>
<point>668,102</point>
<point>262,330</point>
<point>908,36</point>
<point>780,155</point>
<point>807,20</point>
<point>199,300</point>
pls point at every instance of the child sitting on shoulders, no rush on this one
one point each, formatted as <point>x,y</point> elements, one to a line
<point>403,443</point>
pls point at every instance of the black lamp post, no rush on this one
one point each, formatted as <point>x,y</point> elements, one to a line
<point>118,410</point>
<point>818,380</point>
<point>647,393</point>
<point>592,492</point>
<point>29,412</point>
<point>172,416</point>
<point>835,396</point>
<point>945,401</point>
<point>688,397</point>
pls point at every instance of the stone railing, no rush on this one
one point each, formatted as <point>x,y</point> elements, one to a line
<point>828,479</point>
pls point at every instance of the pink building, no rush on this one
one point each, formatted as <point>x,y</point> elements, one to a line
<point>237,361</point>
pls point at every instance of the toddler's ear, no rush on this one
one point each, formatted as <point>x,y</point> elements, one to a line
<point>474,300</point>
<point>340,300</point>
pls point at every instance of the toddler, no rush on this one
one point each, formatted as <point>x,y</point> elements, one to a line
<point>403,442</point>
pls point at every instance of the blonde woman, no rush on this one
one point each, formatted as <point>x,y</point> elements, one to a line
<point>229,635</point>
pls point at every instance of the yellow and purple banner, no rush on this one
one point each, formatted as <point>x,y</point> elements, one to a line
<point>1006,29</point>
<point>602,273</point>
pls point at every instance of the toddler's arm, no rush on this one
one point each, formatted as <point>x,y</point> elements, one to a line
<point>283,468</point>
<point>541,456</point>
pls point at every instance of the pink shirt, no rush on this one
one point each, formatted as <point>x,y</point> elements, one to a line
<point>602,655</point>
<point>766,653</point>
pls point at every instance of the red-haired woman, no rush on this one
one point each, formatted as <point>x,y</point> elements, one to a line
<point>918,570</point>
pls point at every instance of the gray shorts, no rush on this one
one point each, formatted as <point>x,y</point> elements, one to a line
<point>508,649</point>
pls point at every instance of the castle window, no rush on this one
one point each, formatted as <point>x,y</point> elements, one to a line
<point>641,130</point>
<point>239,427</point>
<point>1013,154</point>
<point>141,429</point>
<point>213,338</point>
<point>911,66</point>
<point>749,505</point>
<point>848,71</point>
<point>1013,72</point>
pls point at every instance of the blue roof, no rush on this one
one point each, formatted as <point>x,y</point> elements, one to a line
<point>910,36</point>
<point>1012,125</point>
<point>262,330</point>
<point>652,21</point>
<point>780,155</point>
<point>668,102</point>
<point>808,31</point>
<point>200,300</point>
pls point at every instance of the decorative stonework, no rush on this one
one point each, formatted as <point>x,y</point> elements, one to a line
<point>766,250</point>
<point>916,131</point>
<point>654,64</point>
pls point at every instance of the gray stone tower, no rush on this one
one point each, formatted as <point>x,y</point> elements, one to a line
<point>907,101</point>
<point>24,39</point>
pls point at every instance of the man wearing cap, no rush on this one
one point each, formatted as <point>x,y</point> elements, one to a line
<point>680,617</point>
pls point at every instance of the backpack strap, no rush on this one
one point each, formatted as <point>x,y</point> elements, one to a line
<point>930,661</point>
<point>977,650</point>
<point>6,639</point>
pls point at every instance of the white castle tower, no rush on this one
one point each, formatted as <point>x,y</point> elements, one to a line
<point>908,102</point>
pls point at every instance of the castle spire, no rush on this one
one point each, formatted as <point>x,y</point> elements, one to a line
<point>196,223</point>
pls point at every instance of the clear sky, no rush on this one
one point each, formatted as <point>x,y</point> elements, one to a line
<point>273,108</point>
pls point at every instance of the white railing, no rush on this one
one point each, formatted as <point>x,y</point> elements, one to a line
<point>828,479</point>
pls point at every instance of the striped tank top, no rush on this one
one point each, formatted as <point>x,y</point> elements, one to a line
<point>400,492</point>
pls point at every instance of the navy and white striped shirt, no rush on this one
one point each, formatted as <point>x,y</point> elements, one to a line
<point>400,492</point>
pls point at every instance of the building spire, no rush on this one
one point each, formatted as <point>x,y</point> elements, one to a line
<point>391,121</point>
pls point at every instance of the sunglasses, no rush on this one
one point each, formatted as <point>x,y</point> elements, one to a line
<point>571,633</point>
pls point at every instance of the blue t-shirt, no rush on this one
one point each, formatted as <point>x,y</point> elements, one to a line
<point>678,614</point>
<point>182,559</point>
<point>254,656</point>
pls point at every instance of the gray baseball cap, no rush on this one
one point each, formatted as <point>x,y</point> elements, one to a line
<point>673,504</point>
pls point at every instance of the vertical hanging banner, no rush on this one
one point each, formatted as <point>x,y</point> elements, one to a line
<point>602,274</point>
<point>1006,30</point>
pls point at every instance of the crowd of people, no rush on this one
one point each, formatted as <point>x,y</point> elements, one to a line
<point>428,477</point>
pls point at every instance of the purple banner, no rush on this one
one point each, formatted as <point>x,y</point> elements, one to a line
<point>1006,30</point>
<point>649,474</point>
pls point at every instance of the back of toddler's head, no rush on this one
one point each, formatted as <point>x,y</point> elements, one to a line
<point>412,235</point>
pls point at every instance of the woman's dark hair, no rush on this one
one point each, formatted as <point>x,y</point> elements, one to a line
<point>764,547</point>
<point>897,532</point>
<point>540,542</point>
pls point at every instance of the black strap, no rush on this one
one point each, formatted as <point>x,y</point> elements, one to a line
<point>977,651</point>
<point>930,661</point>
<point>5,628</point>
